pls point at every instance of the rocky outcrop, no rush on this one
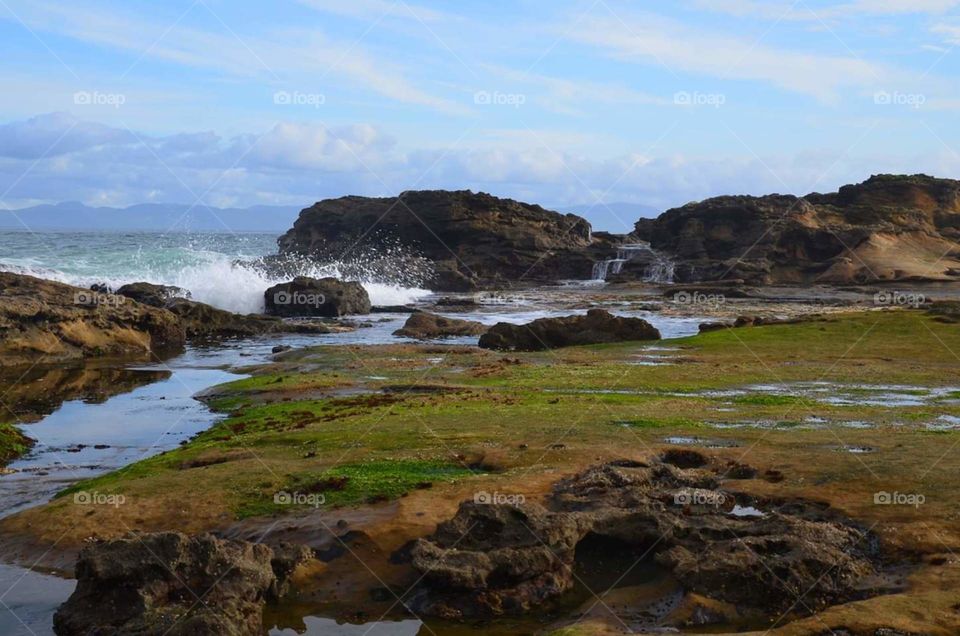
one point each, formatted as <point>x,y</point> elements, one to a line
<point>202,321</point>
<point>889,228</point>
<point>473,239</point>
<point>46,321</point>
<point>424,325</point>
<point>169,583</point>
<point>328,297</point>
<point>493,559</point>
<point>598,326</point>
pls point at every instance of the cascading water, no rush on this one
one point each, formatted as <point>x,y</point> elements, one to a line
<point>657,267</point>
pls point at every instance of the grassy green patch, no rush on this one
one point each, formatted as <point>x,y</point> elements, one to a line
<point>13,442</point>
<point>766,399</point>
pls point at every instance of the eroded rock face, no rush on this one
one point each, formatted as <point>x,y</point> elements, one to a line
<point>503,559</point>
<point>598,326</point>
<point>329,297</point>
<point>425,325</point>
<point>885,229</point>
<point>169,583</point>
<point>43,320</point>
<point>153,295</point>
<point>473,239</point>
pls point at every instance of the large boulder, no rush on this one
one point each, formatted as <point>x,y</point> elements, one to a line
<point>506,558</point>
<point>46,321</point>
<point>169,583</point>
<point>473,239</point>
<point>202,321</point>
<point>888,228</point>
<point>423,325</point>
<point>305,296</point>
<point>596,327</point>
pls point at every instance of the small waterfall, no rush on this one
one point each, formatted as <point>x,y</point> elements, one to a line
<point>658,268</point>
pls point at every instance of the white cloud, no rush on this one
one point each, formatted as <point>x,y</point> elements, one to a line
<point>950,32</point>
<point>786,10</point>
<point>376,9</point>
<point>653,40</point>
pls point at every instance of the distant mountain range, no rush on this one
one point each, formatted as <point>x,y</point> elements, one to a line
<point>159,217</point>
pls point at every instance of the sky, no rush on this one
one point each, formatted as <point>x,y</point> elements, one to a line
<point>562,103</point>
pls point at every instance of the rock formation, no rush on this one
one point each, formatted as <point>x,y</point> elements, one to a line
<point>495,559</point>
<point>889,228</point>
<point>46,321</point>
<point>169,583</point>
<point>305,296</point>
<point>598,326</point>
<point>473,239</point>
<point>423,325</point>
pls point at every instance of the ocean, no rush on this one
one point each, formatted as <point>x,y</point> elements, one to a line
<point>206,264</point>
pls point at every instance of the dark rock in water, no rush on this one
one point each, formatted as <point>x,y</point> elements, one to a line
<point>497,558</point>
<point>206,322</point>
<point>169,583</point>
<point>304,296</point>
<point>473,239</point>
<point>888,228</point>
<point>704,327</point>
<point>392,309</point>
<point>426,325</point>
<point>281,348</point>
<point>598,326</point>
<point>57,322</point>
<point>153,295</point>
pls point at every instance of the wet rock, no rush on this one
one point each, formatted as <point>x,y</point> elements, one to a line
<point>281,348</point>
<point>57,322</point>
<point>505,559</point>
<point>169,583</point>
<point>423,325</point>
<point>153,295</point>
<point>598,326</point>
<point>203,321</point>
<point>305,296</point>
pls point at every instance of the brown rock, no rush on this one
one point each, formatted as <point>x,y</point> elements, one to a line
<point>304,296</point>
<point>424,325</point>
<point>598,326</point>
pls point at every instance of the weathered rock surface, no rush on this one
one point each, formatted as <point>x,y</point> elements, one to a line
<point>203,321</point>
<point>598,326</point>
<point>425,325</point>
<point>473,239</point>
<point>888,228</point>
<point>305,296</point>
<point>494,559</point>
<point>43,320</point>
<point>169,583</point>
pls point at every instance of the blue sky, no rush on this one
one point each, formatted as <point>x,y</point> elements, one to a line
<point>563,103</point>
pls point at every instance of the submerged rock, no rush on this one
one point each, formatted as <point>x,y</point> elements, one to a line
<point>169,583</point>
<point>424,325</point>
<point>42,319</point>
<point>329,297</point>
<point>598,326</point>
<point>494,559</point>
